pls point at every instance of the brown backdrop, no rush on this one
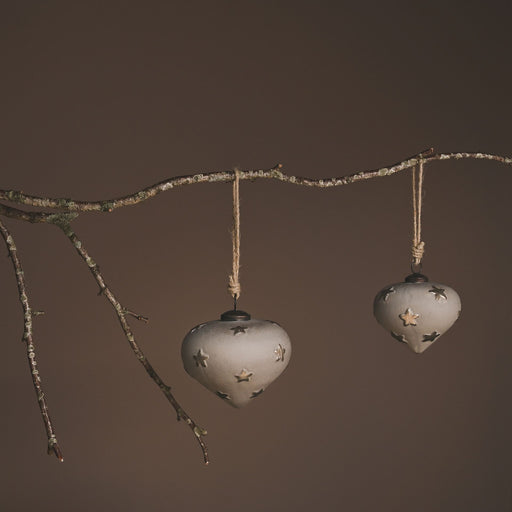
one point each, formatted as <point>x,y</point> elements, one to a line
<point>102,98</point>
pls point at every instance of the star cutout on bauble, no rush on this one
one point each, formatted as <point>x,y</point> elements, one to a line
<point>238,329</point>
<point>222,395</point>
<point>279,352</point>
<point>197,327</point>
<point>200,358</point>
<point>431,337</point>
<point>408,318</point>
<point>399,337</point>
<point>244,376</point>
<point>384,294</point>
<point>438,293</point>
<point>256,393</point>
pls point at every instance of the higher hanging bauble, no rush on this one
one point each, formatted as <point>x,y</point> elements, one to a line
<point>235,357</point>
<point>417,312</point>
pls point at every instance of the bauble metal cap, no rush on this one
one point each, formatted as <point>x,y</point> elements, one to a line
<point>235,315</point>
<point>416,278</point>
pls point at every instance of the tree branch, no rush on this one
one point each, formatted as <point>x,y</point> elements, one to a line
<point>122,313</point>
<point>36,217</point>
<point>53,446</point>
<point>67,212</point>
<point>72,205</point>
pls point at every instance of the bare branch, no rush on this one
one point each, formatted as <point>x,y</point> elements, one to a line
<point>141,318</point>
<point>28,313</point>
<point>67,209</point>
<point>122,314</point>
<point>36,217</point>
<point>72,205</point>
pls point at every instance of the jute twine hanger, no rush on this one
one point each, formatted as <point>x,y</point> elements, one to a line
<point>234,287</point>
<point>418,245</point>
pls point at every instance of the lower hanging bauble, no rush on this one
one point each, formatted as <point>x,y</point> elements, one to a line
<point>417,312</point>
<point>236,357</point>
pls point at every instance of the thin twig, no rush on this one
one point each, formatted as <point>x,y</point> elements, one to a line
<point>141,318</point>
<point>72,205</point>
<point>122,314</point>
<point>53,446</point>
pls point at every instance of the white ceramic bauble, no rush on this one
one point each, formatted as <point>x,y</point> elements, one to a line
<point>417,312</point>
<point>236,357</point>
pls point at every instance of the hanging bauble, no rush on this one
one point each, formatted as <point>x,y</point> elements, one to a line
<point>236,357</point>
<point>417,312</point>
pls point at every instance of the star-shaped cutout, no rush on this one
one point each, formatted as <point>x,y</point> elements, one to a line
<point>384,294</point>
<point>238,329</point>
<point>279,352</point>
<point>431,337</point>
<point>438,293</point>
<point>197,327</point>
<point>222,395</point>
<point>244,376</point>
<point>200,358</point>
<point>256,393</point>
<point>399,337</point>
<point>408,318</point>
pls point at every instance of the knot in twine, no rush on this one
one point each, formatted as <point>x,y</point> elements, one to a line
<point>417,252</point>
<point>234,287</point>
